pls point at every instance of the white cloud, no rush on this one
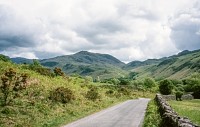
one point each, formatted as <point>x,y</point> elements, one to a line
<point>129,30</point>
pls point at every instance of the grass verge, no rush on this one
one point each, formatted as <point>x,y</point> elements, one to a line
<point>152,116</point>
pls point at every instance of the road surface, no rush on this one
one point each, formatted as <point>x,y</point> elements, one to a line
<point>127,114</point>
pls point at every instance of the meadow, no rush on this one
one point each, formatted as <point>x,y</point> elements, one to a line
<point>189,108</point>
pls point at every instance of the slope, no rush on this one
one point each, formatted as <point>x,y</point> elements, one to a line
<point>177,66</point>
<point>87,63</point>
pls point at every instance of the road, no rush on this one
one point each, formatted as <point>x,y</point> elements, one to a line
<point>127,114</point>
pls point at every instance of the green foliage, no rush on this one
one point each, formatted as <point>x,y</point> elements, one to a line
<point>179,95</point>
<point>37,67</point>
<point>124,91</point>
<point>11,85</point>
<point>88,79</point>
<point>61,94</point>
<point>152,115</point>
<point>124,81</point>
<point>58,71</point>
<point>149,83</point>
<point>196,90</point>
<point>133,75</point>
<point>110,92</point>
<point>4,58</point>
<point>166,87</point>
<point>92,94</point>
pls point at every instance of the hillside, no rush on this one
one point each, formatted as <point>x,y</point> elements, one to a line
<point>104,66</point>
<point>43,100</point>
<point>87,63</point>
<point>21,60</point>
<point>177,66</point>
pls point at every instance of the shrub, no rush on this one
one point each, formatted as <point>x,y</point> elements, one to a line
<point>124,91</point>
<point>196,91</point>
<point>58,71</point>
<point>124,81</point>
<point>11,84</point>
<point>165,87</point>
<point>149,83</point>
<point>37,67</point>
<point>110,93</point>
<point>179,95</point>
<point>92,94</point>
<point>61,94</point>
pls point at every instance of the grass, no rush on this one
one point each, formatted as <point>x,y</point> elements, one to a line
<point>33,107</point>
<point>152,116</point>
<point>190,109</point>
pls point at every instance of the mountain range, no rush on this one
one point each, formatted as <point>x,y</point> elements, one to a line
<point>105,66</point>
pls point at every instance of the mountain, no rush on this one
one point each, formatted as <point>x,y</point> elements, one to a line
<point>135,64</point>
<point>87,63</point>
<point>105,66</point>
<point>21,60</point>
<point>177,66</point>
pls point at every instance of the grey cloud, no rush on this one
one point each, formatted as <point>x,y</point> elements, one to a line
<point>93,31</point>
<point>185,28</point>
<point>13,32</point>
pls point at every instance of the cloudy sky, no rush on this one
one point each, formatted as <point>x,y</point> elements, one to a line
<point>127,29</point>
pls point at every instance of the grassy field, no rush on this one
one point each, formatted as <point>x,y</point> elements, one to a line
<point>152,116</point>
<point>190,109</point>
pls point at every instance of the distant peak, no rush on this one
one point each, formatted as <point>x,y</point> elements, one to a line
<point>83,52</point>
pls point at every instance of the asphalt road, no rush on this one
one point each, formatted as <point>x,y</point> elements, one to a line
<point>127,114</point>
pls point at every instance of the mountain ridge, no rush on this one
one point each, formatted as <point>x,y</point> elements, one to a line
<point>106,66</point>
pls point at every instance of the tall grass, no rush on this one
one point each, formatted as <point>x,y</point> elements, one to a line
<point>152,116</point>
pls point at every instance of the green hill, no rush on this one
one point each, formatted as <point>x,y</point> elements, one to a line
<point>87,63</point>
<point>177,66</point>
<point>104,66</point>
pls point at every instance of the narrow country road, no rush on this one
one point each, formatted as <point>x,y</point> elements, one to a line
<point>127,114</point>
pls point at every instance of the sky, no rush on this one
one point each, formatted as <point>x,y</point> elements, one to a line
<point>127,29</point>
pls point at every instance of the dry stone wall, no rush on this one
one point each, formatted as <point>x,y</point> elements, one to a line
<point>169,117</point>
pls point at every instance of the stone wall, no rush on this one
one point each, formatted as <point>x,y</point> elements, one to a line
<point>169,117</point>
<point>173,97</point>
<point>187,97</point>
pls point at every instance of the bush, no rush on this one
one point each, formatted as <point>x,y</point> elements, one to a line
<point>61,94</point>
<point>124,81</point>
<point>196,90</point>
<point>110,93</point>
<point>165,87</point>
<point>11,84</point>
<point>92,94</point>
<point>124,91</point>
<point>149,83</point>
<point>179,95</point>
<point>37,67</point>
<point>58,71</point>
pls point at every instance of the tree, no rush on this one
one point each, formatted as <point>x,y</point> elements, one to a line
<point>166,87</point>
<point>149,83</point>
<point>196,91</point>
<point>58,71</point>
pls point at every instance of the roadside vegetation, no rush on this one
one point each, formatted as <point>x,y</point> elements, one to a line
<point>152,116</point>
<point>31,95</point>
<point>190,109</point>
